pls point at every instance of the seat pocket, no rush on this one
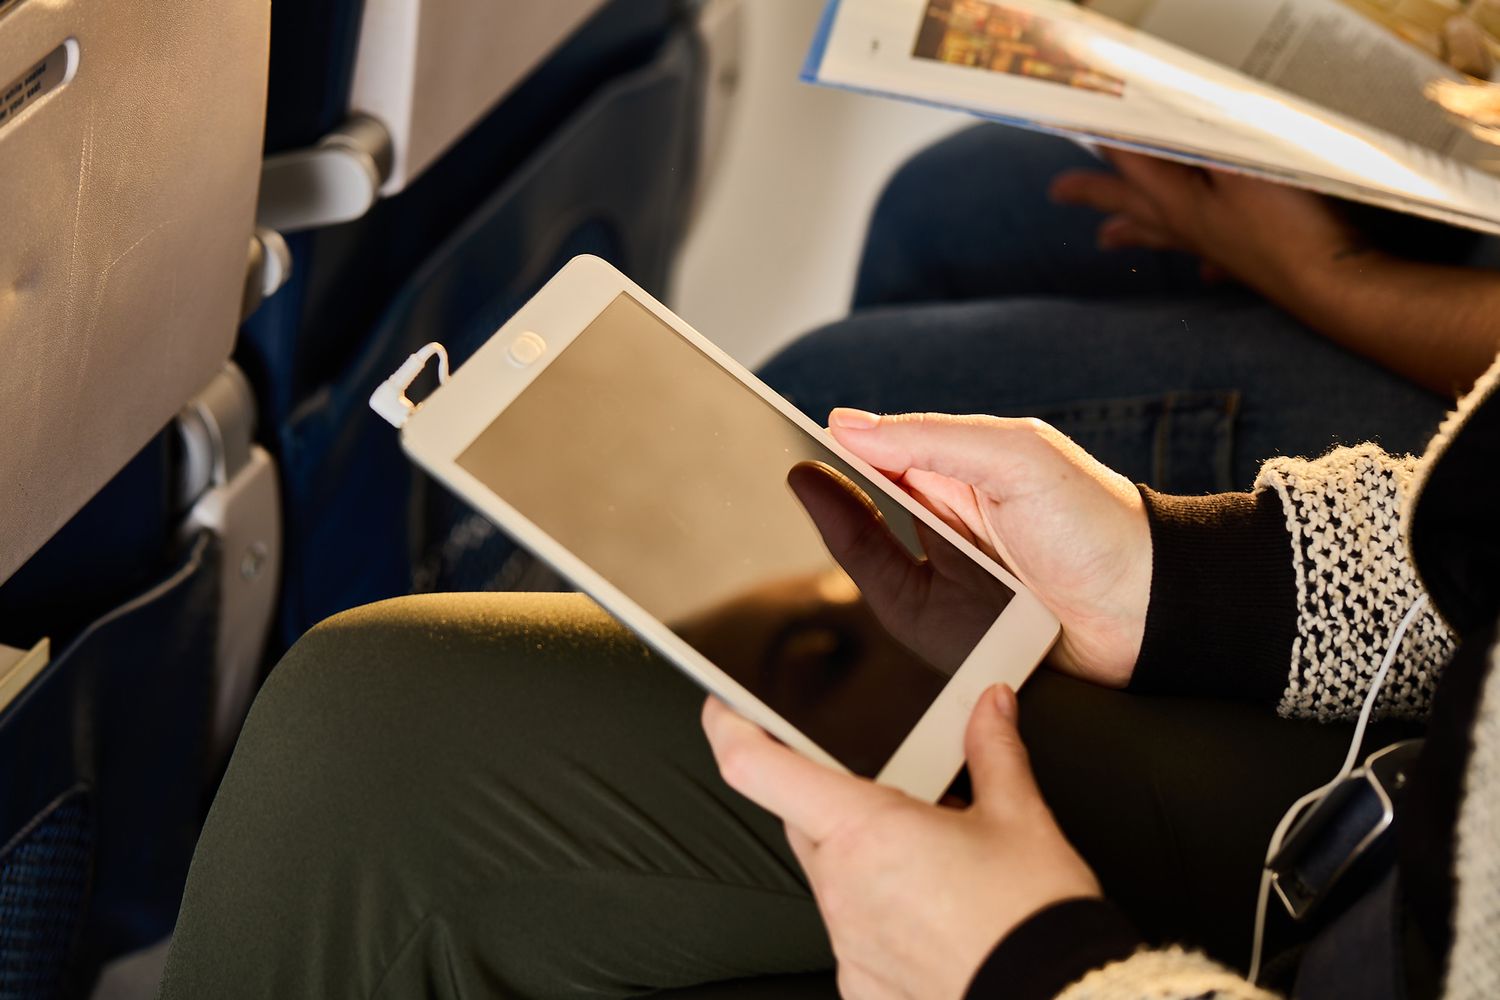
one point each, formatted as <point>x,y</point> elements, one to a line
<point>100,813</point>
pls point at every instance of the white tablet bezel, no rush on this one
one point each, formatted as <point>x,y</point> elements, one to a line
<point>444,426</point>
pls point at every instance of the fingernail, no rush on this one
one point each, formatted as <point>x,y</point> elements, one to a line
<point>852,419</point>
<point>1005,701</point>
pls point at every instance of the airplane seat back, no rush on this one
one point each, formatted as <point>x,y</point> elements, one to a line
<point>130,134</point>
<point>583,137</point>
<point>133,157</point>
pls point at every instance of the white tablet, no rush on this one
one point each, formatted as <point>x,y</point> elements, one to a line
<point>733,534</point>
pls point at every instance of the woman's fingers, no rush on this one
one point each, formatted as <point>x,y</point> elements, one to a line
<point>997,455</point>
<point>954,503</point>
<point>999,767</point>
<point>859,539</point>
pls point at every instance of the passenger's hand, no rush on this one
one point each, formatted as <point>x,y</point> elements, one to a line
<point>1434,324</point>
<point>914,896</point>
<point>1073,531</point>
<point>1273,238</point>
<point>939,607</point>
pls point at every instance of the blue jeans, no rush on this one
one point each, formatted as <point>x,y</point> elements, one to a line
<point>977,294</point>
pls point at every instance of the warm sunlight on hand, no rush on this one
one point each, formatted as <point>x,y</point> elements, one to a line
<point>1075,532</point>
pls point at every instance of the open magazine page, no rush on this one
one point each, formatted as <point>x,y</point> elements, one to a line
<point>1325,51</point>
<point>1053,66</point>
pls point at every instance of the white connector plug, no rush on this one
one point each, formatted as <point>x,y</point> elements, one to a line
<point>389,398</point>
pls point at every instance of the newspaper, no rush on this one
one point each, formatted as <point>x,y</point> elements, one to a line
<point>1053,66</point>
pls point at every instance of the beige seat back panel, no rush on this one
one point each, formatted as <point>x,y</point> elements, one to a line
<point>430,69</point>
<point>127,198</point>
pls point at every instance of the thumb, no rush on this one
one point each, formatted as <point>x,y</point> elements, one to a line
<point>991,453</point>
<point>999,767</point>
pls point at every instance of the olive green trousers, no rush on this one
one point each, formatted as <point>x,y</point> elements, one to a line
<point>501,795</point>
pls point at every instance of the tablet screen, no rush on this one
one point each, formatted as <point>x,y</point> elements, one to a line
<point>747,537</point>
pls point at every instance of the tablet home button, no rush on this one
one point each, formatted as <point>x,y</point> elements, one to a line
<point>526,348</point>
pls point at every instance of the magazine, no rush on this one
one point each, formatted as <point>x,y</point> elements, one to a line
<point>1336,53</point>
<point>1207,84</point>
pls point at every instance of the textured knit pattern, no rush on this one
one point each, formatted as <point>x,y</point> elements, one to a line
<point>1474,962</point>
<point>1170,974</point>
<point>1355,583</point>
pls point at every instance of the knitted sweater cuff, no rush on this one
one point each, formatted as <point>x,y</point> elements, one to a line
<point>1223,612</point>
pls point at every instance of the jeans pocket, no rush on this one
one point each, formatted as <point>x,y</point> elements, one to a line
<point>1177,442</point>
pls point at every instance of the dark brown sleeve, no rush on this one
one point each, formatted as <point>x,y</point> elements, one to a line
<point>1223,612</point>
<point>1054,948</point>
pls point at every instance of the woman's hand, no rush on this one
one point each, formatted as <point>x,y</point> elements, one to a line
<point>914,896</point>
<point>1072,530</point>
<point>1274,238</point>
<point>939,606</point>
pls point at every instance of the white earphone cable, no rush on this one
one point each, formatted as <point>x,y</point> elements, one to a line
<point>1258,942</point>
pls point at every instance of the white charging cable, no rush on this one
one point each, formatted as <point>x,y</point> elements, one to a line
<point>389,398</point>
<point>1349,761</point>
